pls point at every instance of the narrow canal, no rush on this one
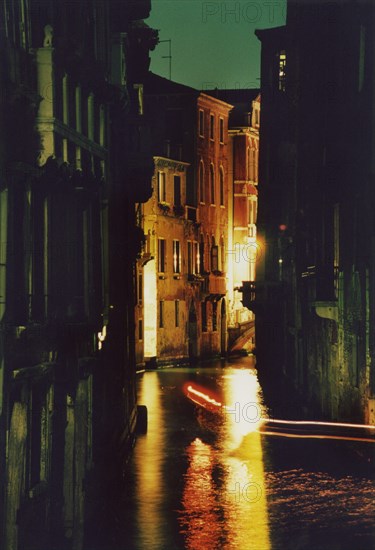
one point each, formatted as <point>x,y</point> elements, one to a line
<point>205,477</point>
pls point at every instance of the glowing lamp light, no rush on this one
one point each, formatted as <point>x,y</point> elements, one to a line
<point>282,227</point>
<point>102,336</point>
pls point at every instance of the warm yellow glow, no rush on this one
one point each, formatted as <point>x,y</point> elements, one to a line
<point>102,336</point>
<point>149,480</point>
<point>150,310</point>
<point>200,518</point>
<point>247,518</point>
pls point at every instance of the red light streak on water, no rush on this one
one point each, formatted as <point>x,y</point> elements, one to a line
<point>203,399</point>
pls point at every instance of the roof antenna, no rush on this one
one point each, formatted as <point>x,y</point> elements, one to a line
<point>168,56</point>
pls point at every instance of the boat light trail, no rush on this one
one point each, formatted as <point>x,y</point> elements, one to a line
<point>213,404</point>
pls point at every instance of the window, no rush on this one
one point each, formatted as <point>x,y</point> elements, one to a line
<point>214,316</point>
<point>176,257</point>
<point>201,254</point>
<point>140,329</point>
<point>201,182</point>
<point>212,184</point>
<point>193,257</point>
<point>208,254</point>
<point>204,316</point>
<point>161,255</point>
<point>282,71</point>
<point>161,187</point>
<point>221,184</point>
<point>140,288</point>
<point>197,257</point>
<point>214,256</point>
<point>161,314</point>
<point>201,123</point>
<point>252,164</point>
<point>256,112</point>
<point>177,313</point>
<point>177,190</point>
<point>212,126</point>
<point>90,117</point>
<point>222,255</point>
<point>221,130</point>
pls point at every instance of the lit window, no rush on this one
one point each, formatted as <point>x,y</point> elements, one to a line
<point>193,257</point>
<point>282,71</point>
<point>197,257</point>
<point>222,255</point>
<point>214,256</point>
<point>161,255</point>
<point>201,254</point>
<point>212,126</point>
<point>221,130</point>
<point>176,257</point>
<point>177,313</point>
<point>190,257</point>
<point>161,187</point>
<point>212,183</point>
<point>221,184</point>
<point>201,123</point>
<point>201,182</point>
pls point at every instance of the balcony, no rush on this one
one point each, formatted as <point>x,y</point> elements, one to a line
<point>321,290</point>
<point>214,285</point>
<point>261,295</point>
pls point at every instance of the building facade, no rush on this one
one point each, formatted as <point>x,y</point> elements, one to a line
<point>314,294</point>
<point>67,196</point>
<point>182,314</point>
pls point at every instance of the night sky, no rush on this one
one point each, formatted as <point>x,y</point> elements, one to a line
<point>213,42</point>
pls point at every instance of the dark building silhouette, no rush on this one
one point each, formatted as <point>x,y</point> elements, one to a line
<point>314,295</point>
<point>74,160</point>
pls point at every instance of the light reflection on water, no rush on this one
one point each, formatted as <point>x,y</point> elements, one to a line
<point>205,480</point>
<point>224,498</point>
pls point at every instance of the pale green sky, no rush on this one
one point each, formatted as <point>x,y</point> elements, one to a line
<point>213,42</point>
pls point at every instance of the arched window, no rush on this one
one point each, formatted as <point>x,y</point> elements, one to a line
<point>201,182</point>
<point>212,184</point>
<point>252,165</point>
<point>221,184</point>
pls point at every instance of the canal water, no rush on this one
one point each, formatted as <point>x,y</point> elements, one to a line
<point>205,475</point>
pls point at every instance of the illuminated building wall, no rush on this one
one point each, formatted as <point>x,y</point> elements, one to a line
<point>212,177</point>
<point>242,246</point>
<point>169,239</point>
<point>191,223</point>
